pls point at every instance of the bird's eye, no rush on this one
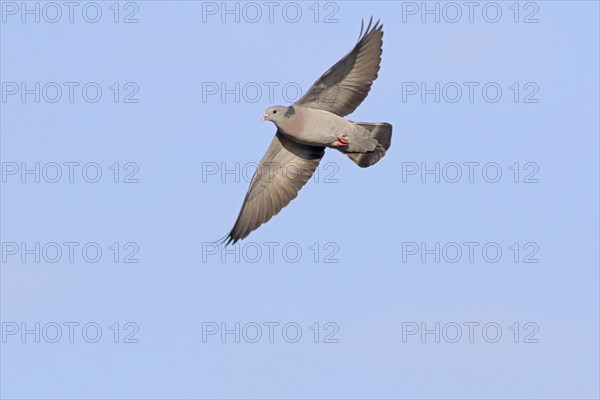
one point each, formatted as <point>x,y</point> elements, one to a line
<point>274,111</point>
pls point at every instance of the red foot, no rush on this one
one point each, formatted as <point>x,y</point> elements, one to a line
<point>341,142</point>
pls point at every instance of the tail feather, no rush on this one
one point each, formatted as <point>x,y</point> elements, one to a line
<point>382,132</point>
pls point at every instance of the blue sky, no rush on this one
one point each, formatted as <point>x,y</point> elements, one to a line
<point>463,265</point>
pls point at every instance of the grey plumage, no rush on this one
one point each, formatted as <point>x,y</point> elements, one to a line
<point>344,86</point>
<point>281,173</point>
<point>322,128</point>
<point>382,133</point>
<point>311,124</point>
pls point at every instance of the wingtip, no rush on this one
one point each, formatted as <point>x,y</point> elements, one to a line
<point>370,28</point>
<point>226,240</point>
<point>362,26</point>
<point>231,240</point>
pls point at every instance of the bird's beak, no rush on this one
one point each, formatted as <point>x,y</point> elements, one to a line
<point>264,118</point>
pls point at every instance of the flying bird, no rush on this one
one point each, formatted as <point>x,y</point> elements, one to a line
<point>311,124</point>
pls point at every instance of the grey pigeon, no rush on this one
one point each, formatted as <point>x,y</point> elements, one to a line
<point>313,123</point>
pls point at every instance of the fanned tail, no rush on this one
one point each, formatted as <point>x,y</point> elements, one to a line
<point>382,132</point>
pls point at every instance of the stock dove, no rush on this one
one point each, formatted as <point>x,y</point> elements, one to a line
<point>311,124</point>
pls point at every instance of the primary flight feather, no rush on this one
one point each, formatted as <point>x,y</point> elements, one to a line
<point>313,123</point>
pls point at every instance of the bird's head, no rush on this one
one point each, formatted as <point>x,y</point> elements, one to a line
<point>277,114</point>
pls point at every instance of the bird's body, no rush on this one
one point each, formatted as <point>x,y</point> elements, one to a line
<point>322,128</point>
<point>310,125</point>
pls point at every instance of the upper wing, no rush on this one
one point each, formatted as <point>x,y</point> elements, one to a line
<point>345,85</point>
<point>282,172</point>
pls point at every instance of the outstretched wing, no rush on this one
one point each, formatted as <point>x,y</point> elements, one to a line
<point>282,172</point>
<point>345,85</point>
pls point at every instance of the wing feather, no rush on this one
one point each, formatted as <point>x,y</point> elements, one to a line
<point>344,86</point>
<point>271,188</point>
